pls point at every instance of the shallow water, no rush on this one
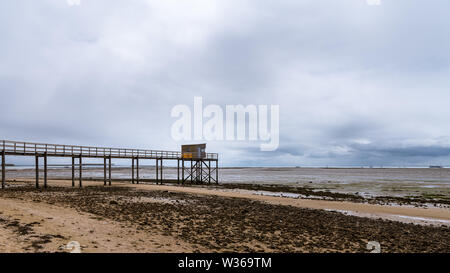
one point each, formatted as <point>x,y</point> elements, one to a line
<point>361,181</point>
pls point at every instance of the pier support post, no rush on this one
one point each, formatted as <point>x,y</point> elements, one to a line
<point>161,168</point>
<point>192,173</point>
<point>37,172</point>
<point>73,171</point>
<point>3,169</point>
<point>137,170</point>
<point>132,170</point>
<point>157,171</point>
<point>109,171</point>
<point>182,171</point>
<point>104,171</point>
<point>81,172</point>
<point>178,171</point>
<point>45,170</point>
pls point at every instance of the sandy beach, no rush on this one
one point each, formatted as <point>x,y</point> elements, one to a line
<point>225,127</point>
<point>171,218</point>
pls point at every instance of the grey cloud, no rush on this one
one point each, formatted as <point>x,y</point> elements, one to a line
<point>108,73</point>
<point>405,152</point>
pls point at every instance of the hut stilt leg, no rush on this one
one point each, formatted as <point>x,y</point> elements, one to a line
<point>217,172</point>
<point>209,172</point>
<point>192,173</point>
<point>182,171</point>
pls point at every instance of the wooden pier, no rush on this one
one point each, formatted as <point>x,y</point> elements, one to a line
<point>199,167</point>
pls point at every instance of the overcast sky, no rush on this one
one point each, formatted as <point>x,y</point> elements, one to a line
<point>357,84</point>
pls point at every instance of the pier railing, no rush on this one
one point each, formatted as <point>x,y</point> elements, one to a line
<point>28,148</point>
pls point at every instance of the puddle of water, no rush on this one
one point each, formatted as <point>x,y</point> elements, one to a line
<point>278,194</point>
<point>157,200</point>
<point>423,219</point>
<point>395,217</point>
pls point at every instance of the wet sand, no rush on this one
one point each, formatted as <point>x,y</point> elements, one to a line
<point>30,226</point>
<point>194,219</point>
<point>434,215</point>
<point>422,183</point>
